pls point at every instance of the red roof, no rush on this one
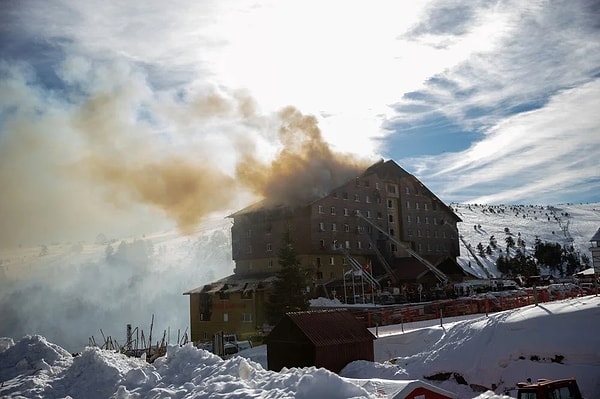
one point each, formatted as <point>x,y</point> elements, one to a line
<point>330,327</point>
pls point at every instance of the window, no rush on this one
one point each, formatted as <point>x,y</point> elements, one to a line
<point>393,247</point>
<point>420,247</point>
<point>321,226</point>
<point>418,219</point>
<point>269,264</point>
<point>391,218</point>
<point>318,260</point>
<point>225,317</point>
<point>322,244</point>
<point>335,194</point>
<point>409,232</point>
<point>369,214</point>
<point>367,183</point>
<point>391,189</point>
<point>419,233</point>
<point>223,295</point>
<point>246,317</point>
<point>347,228</point>
<point>269,247</point>
<point>347,244</point>
<point>247,294</point>
<point>332,261</point>
<point>321,209</point>
<point>426,207</point>
<point>367,199</point>
<point>356,198</point>
<point>333,210</point>
<point>359,244</point>
<point>268,229</point>
<point>392,232</point>
<point>416,205</point>
<point>333,227</point>
<point>426,219</point>
<point>379,215</point>
<point>357,212</point>
<point>407,190</point>
<point>407,204</point>
<point>249,233</point>
<point>376,185</point>
<point>344,261</point>
<point>390,203</point>
<point>434,220</point>
<point>408,219</point>
<point>345,195</point>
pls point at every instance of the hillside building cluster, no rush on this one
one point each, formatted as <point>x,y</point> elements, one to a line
<point>381,235</point>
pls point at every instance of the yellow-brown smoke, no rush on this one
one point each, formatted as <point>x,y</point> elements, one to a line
<point>305,167</point>
<point>60,168</point>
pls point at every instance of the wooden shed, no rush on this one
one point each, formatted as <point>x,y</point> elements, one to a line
<point>325,338</point>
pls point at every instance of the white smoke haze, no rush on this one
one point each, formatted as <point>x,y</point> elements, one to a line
<point>74,291</point>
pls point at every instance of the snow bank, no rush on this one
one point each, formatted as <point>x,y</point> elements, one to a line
<point>467,357</point>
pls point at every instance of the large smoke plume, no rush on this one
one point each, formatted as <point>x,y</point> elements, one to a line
<point>107,156</point>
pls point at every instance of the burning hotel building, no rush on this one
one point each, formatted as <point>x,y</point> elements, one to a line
<point>384,221</point>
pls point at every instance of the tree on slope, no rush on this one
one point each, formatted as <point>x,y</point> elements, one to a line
<point>289,290</point>
<point>510,243</point>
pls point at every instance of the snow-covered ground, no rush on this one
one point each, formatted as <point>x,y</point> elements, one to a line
<point>553,340</point>
<point>566,224</point>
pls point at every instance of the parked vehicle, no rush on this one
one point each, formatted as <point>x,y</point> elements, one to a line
<point>549,389</point>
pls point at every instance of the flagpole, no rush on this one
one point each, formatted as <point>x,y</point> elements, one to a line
<point>345,292</point>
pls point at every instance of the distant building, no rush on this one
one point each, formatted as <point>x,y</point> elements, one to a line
<point>595,250</point>
<point>382,221</point>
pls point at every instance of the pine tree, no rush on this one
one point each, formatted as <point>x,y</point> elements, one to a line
<point>289,290</point>
<point>510,243</point>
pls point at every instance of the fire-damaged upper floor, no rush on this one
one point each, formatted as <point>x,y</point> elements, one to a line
<point>373,217</point>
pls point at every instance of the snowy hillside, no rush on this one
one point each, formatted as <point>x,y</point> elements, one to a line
<point>567,224</point>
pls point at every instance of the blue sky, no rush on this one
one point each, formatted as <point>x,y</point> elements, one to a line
<point>488,102</point>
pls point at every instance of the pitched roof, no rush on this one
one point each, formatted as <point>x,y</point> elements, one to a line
<point>236,283</point>
<point>596,237</point>
<point>330,327</point>
<point>386,170</point>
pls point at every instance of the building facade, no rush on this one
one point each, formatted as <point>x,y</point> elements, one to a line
<point>382,217</point>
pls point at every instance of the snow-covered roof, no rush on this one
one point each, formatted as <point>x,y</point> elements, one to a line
<point>398,389</point>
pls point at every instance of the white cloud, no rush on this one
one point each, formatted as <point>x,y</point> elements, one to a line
<point>536,156</point>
